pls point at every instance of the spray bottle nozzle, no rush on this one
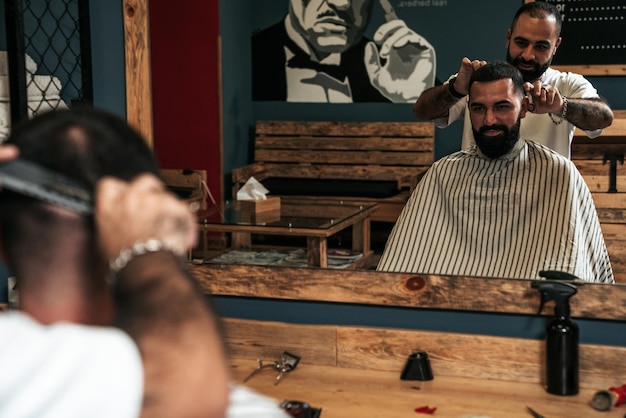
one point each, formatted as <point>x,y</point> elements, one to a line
<point>560,276</point>
<point>559,292</point>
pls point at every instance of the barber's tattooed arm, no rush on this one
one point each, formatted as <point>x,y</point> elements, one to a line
<point>439,100</point>
<point>589,114</point>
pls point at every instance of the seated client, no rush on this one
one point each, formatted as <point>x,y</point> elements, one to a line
<point>504,207</point>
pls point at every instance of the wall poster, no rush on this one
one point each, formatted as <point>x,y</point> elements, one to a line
<point>318,51</point>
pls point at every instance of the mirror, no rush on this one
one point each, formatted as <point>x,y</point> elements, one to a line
<point>395,289</point>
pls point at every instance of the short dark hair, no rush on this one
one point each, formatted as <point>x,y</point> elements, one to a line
<point>497,70</point>
<point>541,10</point>
<point>84,144</point>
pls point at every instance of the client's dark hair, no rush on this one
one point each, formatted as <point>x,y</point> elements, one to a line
<point>498,70</point>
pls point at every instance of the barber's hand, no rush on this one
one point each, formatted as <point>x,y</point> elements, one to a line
<point>409,68</point>
<point>466,70</point>
<point>127,213</point>
<point>544,98</point>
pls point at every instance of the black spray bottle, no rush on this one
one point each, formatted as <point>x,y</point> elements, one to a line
<point>561,339</point>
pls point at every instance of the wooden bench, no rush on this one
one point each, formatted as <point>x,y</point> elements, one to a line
<point>338,158</point>
<point>600,161</point>
<point>189,185</point>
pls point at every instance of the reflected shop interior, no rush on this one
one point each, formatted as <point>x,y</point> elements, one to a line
<point>122,68</point>
<point>491,306</point>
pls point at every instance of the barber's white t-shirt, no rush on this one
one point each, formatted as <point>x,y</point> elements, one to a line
<point>67,370</point>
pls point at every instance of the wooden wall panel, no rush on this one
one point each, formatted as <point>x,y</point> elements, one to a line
<point>451,354</point>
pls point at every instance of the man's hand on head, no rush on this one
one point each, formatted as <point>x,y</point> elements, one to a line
<point>8,152</point>
<point>466,70</point>
<point>128,213</point>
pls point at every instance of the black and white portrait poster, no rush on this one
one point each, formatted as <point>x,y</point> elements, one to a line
<point>349,51</point>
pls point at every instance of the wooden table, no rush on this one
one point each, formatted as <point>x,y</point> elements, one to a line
<point>345,392</point>
<point>315,221</point>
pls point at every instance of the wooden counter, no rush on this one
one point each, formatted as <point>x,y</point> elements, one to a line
<point>407,290</point>
<point>355,371</point>
<point>347,393</point>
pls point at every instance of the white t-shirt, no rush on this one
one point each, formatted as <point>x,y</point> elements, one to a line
<point>245,403</point>
<point>67,370</point>
<point>538,128</point>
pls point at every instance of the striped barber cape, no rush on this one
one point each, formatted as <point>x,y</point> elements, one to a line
<point>510,217</point>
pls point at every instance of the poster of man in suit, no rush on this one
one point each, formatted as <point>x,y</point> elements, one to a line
<point>319,54</point>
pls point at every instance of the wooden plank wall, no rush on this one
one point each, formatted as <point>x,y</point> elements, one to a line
<point>592,158</point>
<point>451,354</point>
<point>387,151</point>
<point>343,150</point>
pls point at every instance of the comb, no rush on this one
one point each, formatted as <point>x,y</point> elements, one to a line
<point>32,180</point>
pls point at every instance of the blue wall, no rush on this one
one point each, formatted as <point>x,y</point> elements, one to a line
<point>107,43</point>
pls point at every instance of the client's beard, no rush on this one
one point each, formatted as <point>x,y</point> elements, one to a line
<point>497,146</point>
<point>529,76</point>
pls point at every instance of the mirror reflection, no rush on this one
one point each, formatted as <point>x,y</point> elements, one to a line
<point>596,159</point>
<point>504,207</point>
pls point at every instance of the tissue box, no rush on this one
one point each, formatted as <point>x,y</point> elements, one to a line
<point>260,211</point>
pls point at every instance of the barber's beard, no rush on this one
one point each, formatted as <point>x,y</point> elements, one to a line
<point>529,76</point>
<point>497,146</point>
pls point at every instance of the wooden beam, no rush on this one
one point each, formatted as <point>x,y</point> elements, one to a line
<point>595,301</point>
<point>138,76</point>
